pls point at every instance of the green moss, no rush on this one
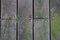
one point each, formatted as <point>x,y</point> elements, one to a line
<point>17,19</point>
<point>55,26</point>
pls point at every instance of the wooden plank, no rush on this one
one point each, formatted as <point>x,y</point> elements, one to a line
<point>8,9</point>
<point>41,8</point>
<point>25,8</point>
<point>41,20</point>
<point>55,19</point>
<point>25,22</point>
<point>41,29</point>
<point>25,30</point>
<point>8,30</point>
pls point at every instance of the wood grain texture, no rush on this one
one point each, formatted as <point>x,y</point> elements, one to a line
<point>25,22</point>
<point>8,9</point>
<point>41,21</point>
<point>41,31</point>
<point>8,30</point>
<point>41,8</point>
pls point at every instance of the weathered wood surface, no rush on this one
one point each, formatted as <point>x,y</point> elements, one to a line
<point>41,31</point>
<point>8,27</point>
<point>25,15</point>
<point>41,8</point>
<point>25,30</point>
<point>8,9</point>
<point>8,30</point>
<point>25,22</point>
<point>41,23</point>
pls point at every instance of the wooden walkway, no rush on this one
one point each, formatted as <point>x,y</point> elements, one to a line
<point>29,20</point>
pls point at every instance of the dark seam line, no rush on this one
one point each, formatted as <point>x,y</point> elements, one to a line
<point>33,20</point>
<point>15,19</point>
<point>17,22</point>
<point>0,18</point>
<point>49,21</point>
<point>40,18</point>
<point>7,19</point>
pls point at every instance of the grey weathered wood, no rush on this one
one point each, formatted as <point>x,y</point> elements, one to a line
<point>41,8</point>
<point>8,30</point>
<point>25,20</point>
<point>25,30</point>
<point>41,13</point>
<point>8,9</point>
<point>41,31</point>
